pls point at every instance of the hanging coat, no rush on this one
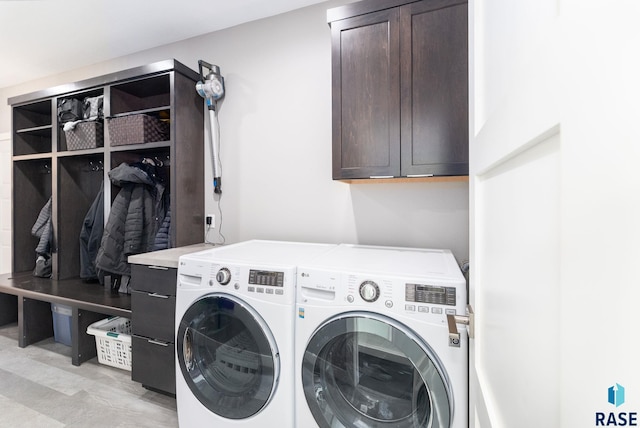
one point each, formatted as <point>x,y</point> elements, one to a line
<point>135,215</point>
<point>91,236</point>
<point>43,229</point>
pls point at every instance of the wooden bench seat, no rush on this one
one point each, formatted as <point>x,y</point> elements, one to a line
<point>27,300</point>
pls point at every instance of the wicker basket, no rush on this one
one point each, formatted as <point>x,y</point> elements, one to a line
<point>113,341</point>
<point>85,135</point>
<point>136,129</point>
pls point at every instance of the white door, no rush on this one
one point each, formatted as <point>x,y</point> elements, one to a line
<point>555,212</point>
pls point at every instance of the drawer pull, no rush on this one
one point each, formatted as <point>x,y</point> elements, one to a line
<point>157,342</point>
<point>158,267</point>
<point>160,296</point>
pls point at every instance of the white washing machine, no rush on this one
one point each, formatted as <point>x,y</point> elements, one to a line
<point>234,334</point>
<point>372,340</point>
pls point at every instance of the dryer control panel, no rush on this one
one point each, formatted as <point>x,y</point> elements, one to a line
<point>421,293</point>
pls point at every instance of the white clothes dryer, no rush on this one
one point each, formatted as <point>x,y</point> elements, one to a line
<point>234,334</point>
<point>372,340</point>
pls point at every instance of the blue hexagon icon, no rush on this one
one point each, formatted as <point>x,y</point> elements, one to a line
<point>616,395</point>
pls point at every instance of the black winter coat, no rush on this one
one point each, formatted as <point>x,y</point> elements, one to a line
<point>133,221</point>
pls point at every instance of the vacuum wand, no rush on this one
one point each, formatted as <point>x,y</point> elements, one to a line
<point>215,149</point>
<point>211,88</point>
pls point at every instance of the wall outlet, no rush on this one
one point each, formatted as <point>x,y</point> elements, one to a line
<point>210,220</point>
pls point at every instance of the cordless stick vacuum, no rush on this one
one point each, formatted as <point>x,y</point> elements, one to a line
<point>211,88</point>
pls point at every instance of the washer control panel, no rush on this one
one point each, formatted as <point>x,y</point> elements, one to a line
<point>261,282</point>
<point>266,278</point>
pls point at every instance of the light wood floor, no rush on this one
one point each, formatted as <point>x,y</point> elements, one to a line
<point>39,387</point>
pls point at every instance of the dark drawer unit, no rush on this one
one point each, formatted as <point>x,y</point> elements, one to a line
<point>153,364</point>
<point>153,306</point>
<point>154,315</point>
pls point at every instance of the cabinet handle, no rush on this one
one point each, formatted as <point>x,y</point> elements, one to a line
<point>419,175</point>
<point>157,342</point>
<point>158,267</point>
<point>160,296</point>
<point>381,176</point>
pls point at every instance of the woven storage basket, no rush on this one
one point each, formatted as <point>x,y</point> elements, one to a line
<point>113,341</point>
<point>85,135</point>
<point>136,129</point>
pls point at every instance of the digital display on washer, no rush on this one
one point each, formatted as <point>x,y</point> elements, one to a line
<point>263,277</point>
<point>421,293</point>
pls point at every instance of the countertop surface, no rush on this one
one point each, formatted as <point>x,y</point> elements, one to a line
<point>167,258</point>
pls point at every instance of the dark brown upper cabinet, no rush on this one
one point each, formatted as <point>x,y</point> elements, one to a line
<point>400,89</point>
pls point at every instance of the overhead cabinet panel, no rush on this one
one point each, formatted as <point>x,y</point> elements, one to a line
<point>366,96</point>
<point>435,130</point>
<point>399,88</point>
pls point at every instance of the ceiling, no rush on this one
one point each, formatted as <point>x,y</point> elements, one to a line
<point>43,37</point>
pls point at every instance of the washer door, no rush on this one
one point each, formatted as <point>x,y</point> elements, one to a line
<point>366,370</point>
<point>228,356</point>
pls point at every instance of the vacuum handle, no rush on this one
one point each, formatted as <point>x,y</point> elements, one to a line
<point>214,69</point>
<point>207,65</point>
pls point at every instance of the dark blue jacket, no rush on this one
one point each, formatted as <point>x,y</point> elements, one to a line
<point>90,237</point>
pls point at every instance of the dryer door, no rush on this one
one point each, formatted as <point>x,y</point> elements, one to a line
<point>366,370</point>
<point>227,356</point>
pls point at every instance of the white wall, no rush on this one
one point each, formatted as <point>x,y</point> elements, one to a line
<point>276,143</point>
<point>5,202</point>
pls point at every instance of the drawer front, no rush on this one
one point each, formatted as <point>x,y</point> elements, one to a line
<point>155,279</point>
<point>153,315</point>
<point>153,364</point>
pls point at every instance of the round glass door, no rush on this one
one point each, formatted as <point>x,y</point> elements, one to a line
<point>367,370</point>
<point>227,356</point>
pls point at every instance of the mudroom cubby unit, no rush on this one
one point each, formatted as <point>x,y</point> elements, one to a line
<point>53,173</point>
<point>45,167</point>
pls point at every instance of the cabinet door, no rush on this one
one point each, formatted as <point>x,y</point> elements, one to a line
<point>434,76</point>
<point>366,95</point>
